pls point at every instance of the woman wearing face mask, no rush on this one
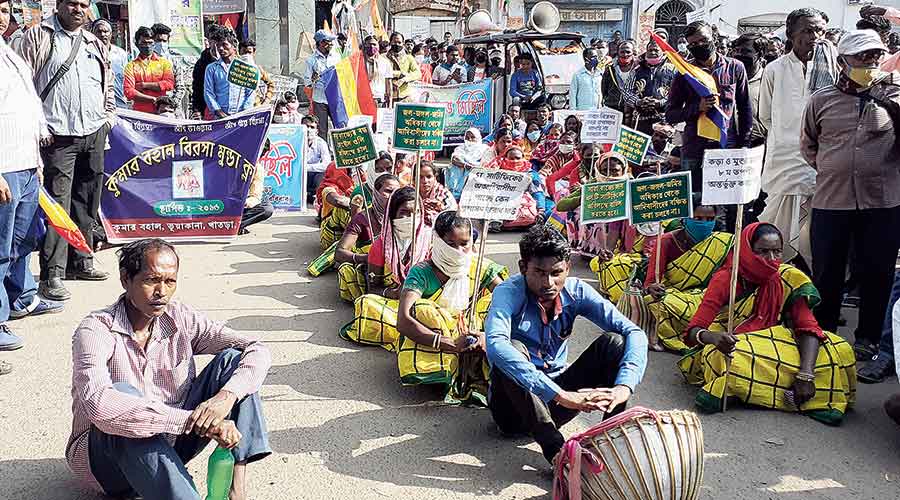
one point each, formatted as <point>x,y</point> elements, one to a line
<point>361,196</point>
<point>436,345</point>
<point>435,197</point>
<point>390,258</point>
<point>780,358</point>
<point>688,258</point>
<point>531,140</point>
<point>648,96</point>
<point>619,77</point>
<point>565,153</point>
<point>352,250</point>
<point>533,200</point>
<point>464,158</point>
<point>548,146</point>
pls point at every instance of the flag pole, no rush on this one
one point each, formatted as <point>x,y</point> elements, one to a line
<point>735,265</point>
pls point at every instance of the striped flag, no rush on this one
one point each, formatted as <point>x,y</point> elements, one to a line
<point>713,124</point>
<point>347,90</point>
<point>60,221</point>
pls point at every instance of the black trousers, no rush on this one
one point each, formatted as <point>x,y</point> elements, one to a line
<point>256,214</point>
<point>517,411</point>
<point>875,236</point>
<point>73,175</point>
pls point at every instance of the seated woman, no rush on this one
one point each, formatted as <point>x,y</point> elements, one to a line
<point>390,259</point>
<point>629,248</point>
<point>780,358</point>
<point>573,124</point>
<point>507,122</point>
<point>503,139</point>
<point>565,153</point>
<point>547,147</point>
<point>361,196</point>
<point>587,239</point>
<point>688,258</point>
<point>437,345</point>
<point>334,191</point>
<point>435,197</point>
<point>351,254</point>
<point>464,158</point>
<point>531,140</point>
<point>533,201</point>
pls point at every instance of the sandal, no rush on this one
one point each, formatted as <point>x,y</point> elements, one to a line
<point>864,351</point>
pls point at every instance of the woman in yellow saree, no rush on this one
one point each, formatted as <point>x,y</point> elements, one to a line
<point>438,343</point>
<point>389,261</point>
<point>688,258</point>
<point>780,357</point>
<point>351,254</point>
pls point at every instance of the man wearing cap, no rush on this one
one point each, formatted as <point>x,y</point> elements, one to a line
<point>321,60</point>
<point>849,137</point>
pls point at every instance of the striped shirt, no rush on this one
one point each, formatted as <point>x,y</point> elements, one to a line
<point>21,114</point>
<point>104,352</point>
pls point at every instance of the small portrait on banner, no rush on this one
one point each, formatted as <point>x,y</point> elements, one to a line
<point>187,179</point>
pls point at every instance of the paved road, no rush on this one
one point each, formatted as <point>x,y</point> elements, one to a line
<point>342,427</point>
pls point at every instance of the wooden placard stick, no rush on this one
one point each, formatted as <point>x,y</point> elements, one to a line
<point>478,265</point>
<point>735,267</point>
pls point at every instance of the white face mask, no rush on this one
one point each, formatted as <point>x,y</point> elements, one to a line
<point>566,148</point>
<point>403,228</point>
<point>420,59</point>
<point>455,263</point>
<point>602,52</point>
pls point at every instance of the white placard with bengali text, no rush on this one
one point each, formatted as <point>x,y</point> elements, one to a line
<point>601,126</point>
<point>493,194</point>
<point>732,176</point>
<point>384,123</point>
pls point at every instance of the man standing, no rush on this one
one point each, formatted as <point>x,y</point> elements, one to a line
<point>648,97</point>
<point>149,76</point>
<point>222,97</point>
<point>849,136</point>
<point>686,106</point>
<point>161,35</point>
<point>527,330</point>
<point>450,71</point>
<point>406,69</point>
<point>787,84</point>
<point>209,55</point>
<point>72,77</point>
<point>140,411</point>
<point>618,77</point>
<point>584,92</point>
<point>265,91</point>
<point>118,58</point>
<point>21,128</point>
<point>317,156</point>
<point>379,70</point>
<point>749,49</point>
<point>322,59</point>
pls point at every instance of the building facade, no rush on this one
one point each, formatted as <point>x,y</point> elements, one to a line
<point>593,19</point>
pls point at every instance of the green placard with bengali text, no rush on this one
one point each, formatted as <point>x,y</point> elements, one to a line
<point>661,198</point>
<point>243,74</point>
<point>353,146</point>
<point>604,202</point>
<point>419,127</point>
<point>633,145</point>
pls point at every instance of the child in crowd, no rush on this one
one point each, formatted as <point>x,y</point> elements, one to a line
<point>525,86</point>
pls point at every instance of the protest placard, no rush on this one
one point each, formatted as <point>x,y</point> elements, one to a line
<point>493,194</point>
<point>604,202</point>
<point>283,185</point>
<point>384,123</point>
<point>466,105</point>
<point>661,198</point>
<point>243,74</point>
<point>601,126</point>
<point>352,146</point>
<point>632,145</point>
<point>732,176</point>
<point>418,127</point>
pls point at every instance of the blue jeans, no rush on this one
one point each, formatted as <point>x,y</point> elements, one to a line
<point>886,346</point>
<point>153,468</point>
<point>15,220</point>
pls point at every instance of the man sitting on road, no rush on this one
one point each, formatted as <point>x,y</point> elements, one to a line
<point>140,411</point>
<point>527,329</point>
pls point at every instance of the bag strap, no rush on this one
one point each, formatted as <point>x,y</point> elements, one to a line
<point>66,66</point>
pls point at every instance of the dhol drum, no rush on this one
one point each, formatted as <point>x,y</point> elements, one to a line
<point>638,454</point>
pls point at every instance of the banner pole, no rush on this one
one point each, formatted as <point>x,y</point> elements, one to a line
<point>735,265</point>
<point>362,187</point>
<point>659,233</point>
<point>415,234</point>
<point>481,246</point>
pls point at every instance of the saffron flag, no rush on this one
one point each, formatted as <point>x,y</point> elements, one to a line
<point>347,90</point>
<point>713,124</point>
<point>60,221</point>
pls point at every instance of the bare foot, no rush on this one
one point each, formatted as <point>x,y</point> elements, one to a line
<point>239,482</point>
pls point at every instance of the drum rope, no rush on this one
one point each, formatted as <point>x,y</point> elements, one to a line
<point>571,454</point>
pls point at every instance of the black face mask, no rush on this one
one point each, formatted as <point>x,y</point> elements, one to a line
<point>495,61</point>
<point>396,48</point>
<point>481,59</point>
<point>749,63</point>
<point>702,53</point>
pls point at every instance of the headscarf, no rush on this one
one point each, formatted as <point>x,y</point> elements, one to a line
<point>760,272</point>
<point>455,264</point>
<point>434,200</point>
<point>471,152</point>
<point>522,165</point>
<point>587,172</point>
<point>336,179</point>
<point>393,253</point>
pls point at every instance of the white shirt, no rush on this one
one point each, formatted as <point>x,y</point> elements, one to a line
<point>377,79</point>
<point>782,98</point>
<point>22,119</point>
<point>441,75</point>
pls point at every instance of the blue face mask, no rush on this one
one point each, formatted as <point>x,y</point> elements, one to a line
<point>699,230</point>
<point>534,135</point>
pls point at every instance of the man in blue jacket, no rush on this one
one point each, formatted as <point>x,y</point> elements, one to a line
<point>533,390</point>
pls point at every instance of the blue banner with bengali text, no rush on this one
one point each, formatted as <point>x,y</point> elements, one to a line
<point>285,166</point>
<point>467,105</point>
<point>178,179</point>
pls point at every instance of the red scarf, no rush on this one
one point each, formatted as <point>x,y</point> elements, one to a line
<point>337,178</point>
<point>757,271</point>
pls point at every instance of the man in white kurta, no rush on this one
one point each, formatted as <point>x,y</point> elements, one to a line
<point>787,178</point>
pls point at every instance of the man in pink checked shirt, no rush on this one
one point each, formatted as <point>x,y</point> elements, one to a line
<point>140,411</point>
